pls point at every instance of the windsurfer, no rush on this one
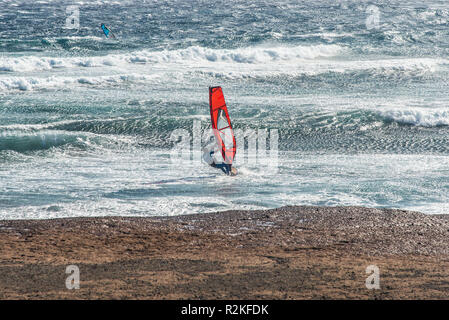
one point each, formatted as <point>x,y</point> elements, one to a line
<point>106,31</point>
<point>208,157</point>
<point>224,136</point>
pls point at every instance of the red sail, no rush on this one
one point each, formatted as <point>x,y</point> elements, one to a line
<point>221,124</point>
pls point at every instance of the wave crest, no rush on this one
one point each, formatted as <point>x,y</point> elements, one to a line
<point>418,117</point>
<point>250,55</point>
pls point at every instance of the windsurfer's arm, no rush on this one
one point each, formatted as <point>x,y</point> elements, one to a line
<point>208,155</point>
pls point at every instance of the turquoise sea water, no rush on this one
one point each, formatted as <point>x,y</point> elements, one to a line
<point>357,90</point>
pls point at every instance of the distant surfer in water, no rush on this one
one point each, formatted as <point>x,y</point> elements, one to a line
<point>208,157</point>
<point>106,31</point>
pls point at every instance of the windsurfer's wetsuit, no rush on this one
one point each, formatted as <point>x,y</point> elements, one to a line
<point>208,157</point>
<point>226,168</point>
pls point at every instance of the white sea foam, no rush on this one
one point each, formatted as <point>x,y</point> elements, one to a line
<point>195,54</point>
<point>418,116</point>
<point>190,70</point>
<point>25,73</point>
<point>385,68</point>
<point>52,82</point>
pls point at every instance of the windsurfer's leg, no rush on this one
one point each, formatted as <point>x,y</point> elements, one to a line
<point>220,166</point>
<point>227,168</point>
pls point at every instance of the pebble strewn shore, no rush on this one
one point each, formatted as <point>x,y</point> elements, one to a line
<point>286,253</point>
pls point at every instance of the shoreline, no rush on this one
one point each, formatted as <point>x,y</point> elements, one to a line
<point>294,252</point>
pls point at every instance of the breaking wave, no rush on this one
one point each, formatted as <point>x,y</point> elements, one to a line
<point>248,55</point>
<point>418,117</point>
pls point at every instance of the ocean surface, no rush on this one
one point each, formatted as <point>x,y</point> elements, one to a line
<point>358,91</point>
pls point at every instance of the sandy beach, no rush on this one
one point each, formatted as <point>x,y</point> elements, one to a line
<point>285,253</point>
